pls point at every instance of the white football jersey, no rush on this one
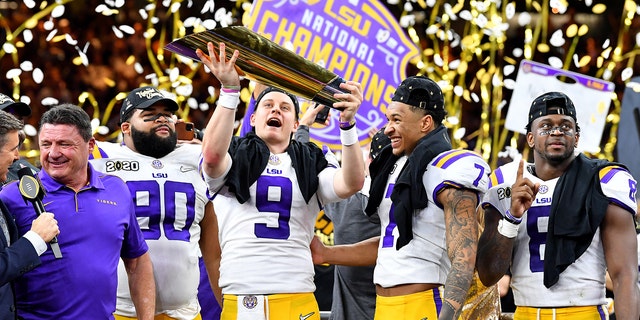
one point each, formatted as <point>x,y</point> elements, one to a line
<point>170,199</point>
<point>583,282</point>
<point>424,259</point>
<point>265,241</point>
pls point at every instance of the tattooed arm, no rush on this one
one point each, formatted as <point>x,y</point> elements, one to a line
<point>461,229</point>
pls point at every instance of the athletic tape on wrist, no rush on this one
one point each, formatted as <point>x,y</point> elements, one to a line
<point>349,137</point>
<point>507,229</point>
<point>229,100</point>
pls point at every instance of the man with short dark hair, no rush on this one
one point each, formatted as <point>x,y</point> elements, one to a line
<point>560,223</point>
<point>426,196</point>
<point>98,225</point>
<point>170,201</point>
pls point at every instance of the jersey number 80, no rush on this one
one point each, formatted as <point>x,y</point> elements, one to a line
<point>152,208</point>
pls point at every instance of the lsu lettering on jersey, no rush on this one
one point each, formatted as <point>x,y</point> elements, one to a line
<point>582,283</point>
<point>170,199</point>
<point>265,241</point>
<point>424,259</point>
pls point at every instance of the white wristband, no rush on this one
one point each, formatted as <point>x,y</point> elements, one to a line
<point>508,229</point>
<point>229,100</point>
<point>349,137</point>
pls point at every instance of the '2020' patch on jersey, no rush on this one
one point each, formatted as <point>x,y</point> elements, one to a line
<point>121,165</point>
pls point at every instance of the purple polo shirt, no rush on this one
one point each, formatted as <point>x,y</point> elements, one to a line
<point>97,226</point>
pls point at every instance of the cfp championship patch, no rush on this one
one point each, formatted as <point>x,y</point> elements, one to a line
<point>250,302</point>
<point>157,164</point>
<point>274,160</point>
<point>543,189</point>
<point>122,165</point>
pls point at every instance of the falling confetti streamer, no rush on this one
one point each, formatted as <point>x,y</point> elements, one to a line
<point>30,130</point>
<point>13,73</point>
<point>49,101</point>
<point>459,133</point>
<point>70,39</point>
<point>26,66</point>
<point>58,11</point>
<point>9,48</point>
<point>103,130</point>
<point>38,75</point>
<point>83,56</point>
<point>48,25</point>
<point>30,3</point>
<point>626,74</point>
<point>27,35</point>
<point>127,29</point>
<point>117,32</point>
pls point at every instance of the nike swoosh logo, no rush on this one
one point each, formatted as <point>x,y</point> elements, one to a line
<point>306,316</point>
<point>46,204</point>
<point>184,169</point>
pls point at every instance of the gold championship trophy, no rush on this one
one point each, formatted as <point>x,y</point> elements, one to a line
<point>265,61</point>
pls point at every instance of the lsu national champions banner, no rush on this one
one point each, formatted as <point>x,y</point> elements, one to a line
<point>359,40</point>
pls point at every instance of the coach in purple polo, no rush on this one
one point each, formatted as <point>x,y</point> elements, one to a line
<point>97,224</point>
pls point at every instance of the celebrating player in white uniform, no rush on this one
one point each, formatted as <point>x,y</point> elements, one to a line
<point>268,191</point>
<point>424,259</point>
<point>411,264</point>
<point>170,198</point>
<point>426,196</point>
<point>560,224</point>
<point>428,235</point>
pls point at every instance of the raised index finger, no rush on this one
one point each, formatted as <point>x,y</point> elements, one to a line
<point>520,175</point>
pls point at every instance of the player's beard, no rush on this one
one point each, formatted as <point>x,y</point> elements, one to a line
<point>150,144</point>
<point>557,158</point>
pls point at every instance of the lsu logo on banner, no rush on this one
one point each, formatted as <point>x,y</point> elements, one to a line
<point>359,40</point>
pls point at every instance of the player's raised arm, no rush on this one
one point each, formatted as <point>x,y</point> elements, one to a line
<point>219,130</point>
<point>350,178</point>
<point>495,246</point>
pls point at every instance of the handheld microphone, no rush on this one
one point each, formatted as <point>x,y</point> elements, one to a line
<point>31,190</point>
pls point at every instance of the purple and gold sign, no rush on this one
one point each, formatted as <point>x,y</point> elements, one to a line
<point>359,40</point>
<point>309,48</point>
